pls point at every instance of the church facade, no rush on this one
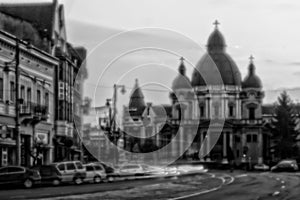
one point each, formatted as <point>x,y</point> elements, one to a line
<point>221,113</point>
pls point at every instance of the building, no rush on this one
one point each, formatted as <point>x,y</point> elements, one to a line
<point>36,108</point>
<point>42,25</point>
<point>201,105</point>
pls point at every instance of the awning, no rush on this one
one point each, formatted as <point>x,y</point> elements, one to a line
<point>8,142</point>
<point>9,121</point>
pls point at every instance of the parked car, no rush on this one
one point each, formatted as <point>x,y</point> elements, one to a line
<point>261,167</point>
<point>19,175</point>
<point>95,173</point>
<point>71,171</point>
<point>191,169</point>
<point>285,166</point>
<point>132,170</point>
<point>111,172</point>
<point>49,174</point>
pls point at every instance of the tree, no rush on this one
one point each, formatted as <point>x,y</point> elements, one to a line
<point>284,128</point>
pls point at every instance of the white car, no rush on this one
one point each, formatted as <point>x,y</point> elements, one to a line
<point>261,167</point>
<point>191,169</point>
<point>132,170</point>
<point>95,173</point>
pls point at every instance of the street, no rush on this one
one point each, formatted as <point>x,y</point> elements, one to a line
<point>210,186</point>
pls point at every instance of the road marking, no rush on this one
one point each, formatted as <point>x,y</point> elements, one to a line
<point>282,182</point>
<point>196,194</point>
<point>283,187</point>
<point>276,193</point>
<point>242,175</point>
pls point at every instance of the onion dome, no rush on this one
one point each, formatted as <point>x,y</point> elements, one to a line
<point>252,80</point>
<point>216,61</point>
<point>137,103</point>
<point>181,81</point>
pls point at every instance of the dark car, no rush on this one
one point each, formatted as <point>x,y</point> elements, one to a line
<point>285,166</point>
<point>49,174</point>
<point>19,176</point>
<point>111,172</point>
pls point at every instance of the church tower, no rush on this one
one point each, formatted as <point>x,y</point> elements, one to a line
<point>252,96</point>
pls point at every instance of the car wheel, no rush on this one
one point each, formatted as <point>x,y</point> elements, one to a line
<point>78,180</point>
<point>56,182</point>
<point>110,179</point>
<point>97,179</point>
<point>28,183</point>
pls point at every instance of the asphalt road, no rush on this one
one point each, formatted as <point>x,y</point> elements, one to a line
<point>246,186</point>
<point>254,186</point>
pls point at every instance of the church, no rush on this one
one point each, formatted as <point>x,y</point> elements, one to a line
<point>216,111</point>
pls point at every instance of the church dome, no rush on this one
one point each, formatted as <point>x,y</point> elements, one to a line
<point>137,103</point>
<point>252,80</point>
<point>181,81</point>
<point>215,61</point>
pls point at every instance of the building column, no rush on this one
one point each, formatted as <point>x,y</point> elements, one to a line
<point>201,146</point>
<point>230,140</point>
<point>208,147</point>
<point>225,160</point>
<point>260,147</point>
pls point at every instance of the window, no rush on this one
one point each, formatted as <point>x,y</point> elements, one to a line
<point>47,99</point>
<point>99,168</point>
<point>237,139</point>
<point>201,111</point>
<point>38,97</point>
<point>15,169</point>
<point>251,113</point>
<point>248,138</point>
<point>70,166</point>
<point>29,95</point>
<point>1,89</point>
<point>12,91</point>
<point>79,165</point>
<point>230,111</point>
<point>89,168</point>
<point>254,138</point>
<point>3,170</point>
<point>237,153</point>
<point>22,92</point>
<point>61,167</point>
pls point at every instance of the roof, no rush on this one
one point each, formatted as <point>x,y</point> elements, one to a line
<point>136,103</point>
<point>41,15</point>
<point>216,61</point>
<point>212,64</point>
<point>252,80</point>
<point>216,41</point>
<point>181,81</point>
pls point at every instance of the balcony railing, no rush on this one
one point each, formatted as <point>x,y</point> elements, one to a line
<point>33,109</point>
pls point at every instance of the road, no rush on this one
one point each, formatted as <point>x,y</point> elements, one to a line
<point>211,186</point>
<point>253,186</point>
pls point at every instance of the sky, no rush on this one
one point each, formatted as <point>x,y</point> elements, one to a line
<point>122,31</point>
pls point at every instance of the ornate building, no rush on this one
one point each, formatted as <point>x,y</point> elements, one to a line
<point>215,96</point>
<point>42,25</point>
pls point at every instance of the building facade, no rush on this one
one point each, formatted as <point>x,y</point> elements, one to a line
<point>42,26</point>
<point>200,106</point>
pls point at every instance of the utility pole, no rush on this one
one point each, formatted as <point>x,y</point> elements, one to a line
<point>17,103</point>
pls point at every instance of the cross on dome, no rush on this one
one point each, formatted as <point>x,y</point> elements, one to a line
<point>216,23</point>
<point>251,58</point>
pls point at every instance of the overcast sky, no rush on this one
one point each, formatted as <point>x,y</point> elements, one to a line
<point>267,29</point>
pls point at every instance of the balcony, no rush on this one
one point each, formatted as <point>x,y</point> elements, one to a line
<point>33,111</point>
